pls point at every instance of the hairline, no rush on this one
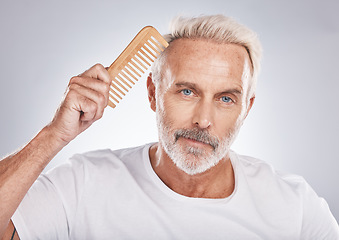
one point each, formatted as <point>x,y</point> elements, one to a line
<point>163,57</point>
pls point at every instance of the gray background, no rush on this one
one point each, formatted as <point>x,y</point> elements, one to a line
<point>293,124</point>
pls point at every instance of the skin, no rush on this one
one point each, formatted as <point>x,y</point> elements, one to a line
<point>85,100</point>
<point>87,96</point>
<point>204,74</point>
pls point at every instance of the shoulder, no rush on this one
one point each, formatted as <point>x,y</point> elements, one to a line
<point>290,192</point>
<point>261,170</point>
<point>269,186</point>
<point>107,157</point>
<point>97,164</point>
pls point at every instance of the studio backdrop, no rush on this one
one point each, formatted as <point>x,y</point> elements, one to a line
<point>293,124</point>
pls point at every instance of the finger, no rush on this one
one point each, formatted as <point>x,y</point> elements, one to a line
<point>92,84</point>
<point>90,102</point>
<point>89,109</point>
<point>86,108</point>
<point>99,72</point>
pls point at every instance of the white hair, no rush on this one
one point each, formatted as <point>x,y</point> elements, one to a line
<point>217,28</point>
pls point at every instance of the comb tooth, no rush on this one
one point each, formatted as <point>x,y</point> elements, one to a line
<point>149,52</point>
<point>135,65</point>
<point>153,48</point>
<point>111,96</point>
<point>139,62</point>
<point>143,59</point>
<point>157,44</point>
<point>111,104</point>
<point>125,76</point>
<point>130,70</point>
<point>161,41</point>
<point>146,55</point>
<point>130,74</point>
<point>116,88</point>
<point>122,80</point>
<point>120,85</point>
<point>115,93</point>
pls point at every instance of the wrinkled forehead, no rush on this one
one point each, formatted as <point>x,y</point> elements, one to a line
<point>206,57</point>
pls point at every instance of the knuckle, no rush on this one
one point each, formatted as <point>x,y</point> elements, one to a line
<point>98,67</point>
<point>73,86</point>
<point>101,100</point>
<point>104,88</point>
<point>74,79</point>
<point>99,114</point>
<point>90,105</point>
<point>107,87</point>
<point>71,80</point>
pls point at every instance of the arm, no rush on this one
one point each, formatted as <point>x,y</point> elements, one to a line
<point>318,221</point>
<point>84,103</point>
<point>11,232</point>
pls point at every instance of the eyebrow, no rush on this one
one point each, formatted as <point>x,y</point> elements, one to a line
<point>193,86</point>
<point>187,84</point>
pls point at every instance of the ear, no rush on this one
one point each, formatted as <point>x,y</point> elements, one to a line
<point>249,106</point>
<point>151,92</point>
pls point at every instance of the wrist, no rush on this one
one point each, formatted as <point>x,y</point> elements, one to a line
<point>53,137</point>
<point>46,144</point>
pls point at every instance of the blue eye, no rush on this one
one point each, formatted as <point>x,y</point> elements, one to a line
<point>186,92</point>
<point>226,99</point>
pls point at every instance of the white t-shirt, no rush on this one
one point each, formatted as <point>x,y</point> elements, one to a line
<point>116,195</point>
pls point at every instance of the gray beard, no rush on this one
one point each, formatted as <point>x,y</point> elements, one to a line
<point>193,160</point>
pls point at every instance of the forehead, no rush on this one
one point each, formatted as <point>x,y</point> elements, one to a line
<point>197,58</point>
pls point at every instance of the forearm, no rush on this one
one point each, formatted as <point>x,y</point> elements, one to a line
<point>19,171</point>
<point>86,98</point>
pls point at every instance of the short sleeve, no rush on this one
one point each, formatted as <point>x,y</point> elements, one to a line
<point>318,221</point>
<point>48,209</point>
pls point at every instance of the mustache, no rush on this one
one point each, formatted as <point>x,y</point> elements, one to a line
<point>199,135</point>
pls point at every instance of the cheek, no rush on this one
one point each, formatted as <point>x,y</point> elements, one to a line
<point>177,113</point>
<point>227,122</point>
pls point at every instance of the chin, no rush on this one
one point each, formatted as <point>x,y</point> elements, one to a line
<point>194,161</point>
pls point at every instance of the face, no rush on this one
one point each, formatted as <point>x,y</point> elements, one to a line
<point>202,102</point>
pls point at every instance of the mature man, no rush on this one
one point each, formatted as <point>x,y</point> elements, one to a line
<point>189,185</point>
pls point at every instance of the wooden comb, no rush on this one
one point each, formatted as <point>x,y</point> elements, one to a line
<point>134,61</point>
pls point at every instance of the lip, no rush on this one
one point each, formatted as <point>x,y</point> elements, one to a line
<point>194,143</point>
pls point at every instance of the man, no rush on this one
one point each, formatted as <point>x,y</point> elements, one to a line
<point>189,185</point>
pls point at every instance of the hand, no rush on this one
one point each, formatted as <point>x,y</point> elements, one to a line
<point>84,103</point>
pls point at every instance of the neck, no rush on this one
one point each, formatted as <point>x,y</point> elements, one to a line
<point>217,182</point>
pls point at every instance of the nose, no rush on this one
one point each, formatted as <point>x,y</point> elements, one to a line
<point>203,115</point>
